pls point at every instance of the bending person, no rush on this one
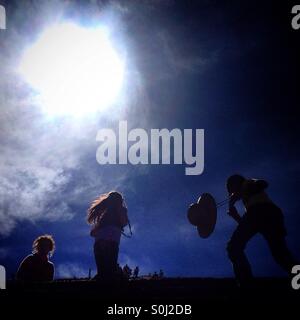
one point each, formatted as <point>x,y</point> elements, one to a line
<point>261,216</point>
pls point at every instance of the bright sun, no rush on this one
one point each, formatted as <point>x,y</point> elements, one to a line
<point>73,70</point>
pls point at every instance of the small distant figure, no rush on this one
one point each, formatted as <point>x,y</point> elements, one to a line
<point>161,273</point>
<point>108,216</point>
<point>261,216</point>
<point>136,272</point>
<point>36,266</point>
<point>127,271</point>
<point>155,275</point>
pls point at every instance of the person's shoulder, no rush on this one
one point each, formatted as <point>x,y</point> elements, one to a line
<point>28,260</point>
<point>250,181</point>
<point>29,257</point>
<point>255,185</point>
<point>261,183</point>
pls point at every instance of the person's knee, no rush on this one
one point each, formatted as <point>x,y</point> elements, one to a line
<point>234,251</point>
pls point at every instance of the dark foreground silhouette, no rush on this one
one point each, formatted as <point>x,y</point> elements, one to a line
<point>108,216</point>
<point>204,290</point>
<point>36,266</point>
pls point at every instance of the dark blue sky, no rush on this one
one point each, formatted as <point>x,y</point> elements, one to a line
<point>228,68</point>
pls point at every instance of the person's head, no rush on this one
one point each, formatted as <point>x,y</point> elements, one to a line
<point>44,245</point>
<point>112,200</point>
<point>235,183</point>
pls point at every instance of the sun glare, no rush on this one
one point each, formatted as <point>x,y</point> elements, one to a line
<point>73,70</point>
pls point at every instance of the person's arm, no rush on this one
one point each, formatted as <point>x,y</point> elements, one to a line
<point>50,275</point>
<point>97,225</point>
<point>233,213</point>
<point>94,230</point>
<point>123,217</point>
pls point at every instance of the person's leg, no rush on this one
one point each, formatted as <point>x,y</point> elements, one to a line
<point>99,254</point>
<point>110,260</point>
<point>280,252</point>
<point>235,249</point>
<point>274,232</point>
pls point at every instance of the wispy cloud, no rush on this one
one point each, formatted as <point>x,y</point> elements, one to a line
<point>187,232</point>
<point>3,253</point>
<point>185,56</point>
<point>71,270</point>
<point>48,165</point>
<point>41,157</point>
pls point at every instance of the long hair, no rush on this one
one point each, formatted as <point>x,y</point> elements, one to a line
<point>102,204</point>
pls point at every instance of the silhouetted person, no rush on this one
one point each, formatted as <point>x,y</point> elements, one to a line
<point>108,216</point>
<point>127,271</point>
<point>136,272</point>
<point>261,216</point>
<point>36,266</point>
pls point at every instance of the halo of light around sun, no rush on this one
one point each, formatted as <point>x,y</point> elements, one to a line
<point>73,70</point>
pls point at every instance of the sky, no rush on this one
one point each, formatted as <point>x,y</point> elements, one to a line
<point>225,67</point>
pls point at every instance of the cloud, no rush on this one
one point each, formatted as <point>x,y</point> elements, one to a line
<point>48,165</point>
<point>44,169</point>
<point>187,232</point>
<point>42,158</point>
<point>37,159</point>
<point>184,56</point>
<point>71,270</point>
<point>4,253</point>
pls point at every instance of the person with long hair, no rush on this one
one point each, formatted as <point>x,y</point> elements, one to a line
<point>36,266</point>
<point>108,216</point>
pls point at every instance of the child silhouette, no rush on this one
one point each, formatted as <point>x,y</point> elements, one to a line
<point>36,266</point>
<point>108,217</point>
